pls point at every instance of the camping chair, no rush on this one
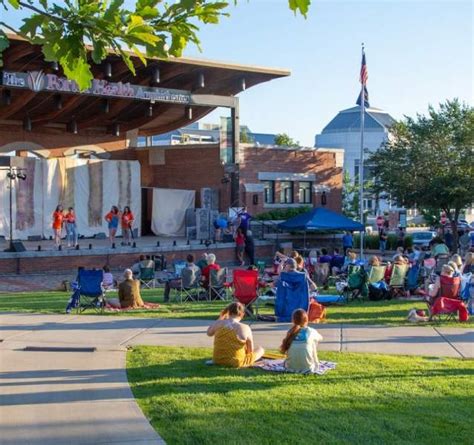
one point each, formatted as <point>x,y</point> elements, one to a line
<point>413,277</point>
<point>178,268</point>
<point>376,274</point>
<point>218,284</point>
<point>446,305</point>
<point>292,294</point>
<point>397,280</point>
<point>192,291</point>
<point>356,285</point>
<point>245,284</point>
<point>91,292</point>
<point>147,277</point>
<point>261,267</point>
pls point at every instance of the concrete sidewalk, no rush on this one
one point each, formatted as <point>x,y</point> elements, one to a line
<point>63,378</point>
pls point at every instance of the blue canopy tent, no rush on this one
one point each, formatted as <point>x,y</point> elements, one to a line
<point>321,218</point>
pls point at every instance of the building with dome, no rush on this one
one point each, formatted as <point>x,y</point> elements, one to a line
<point>343,131</point>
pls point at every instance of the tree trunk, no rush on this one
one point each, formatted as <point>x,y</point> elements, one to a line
<point>454,227</point>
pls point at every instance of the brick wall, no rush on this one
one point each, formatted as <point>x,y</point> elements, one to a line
<point>70,262</point>
<point>324,164</point>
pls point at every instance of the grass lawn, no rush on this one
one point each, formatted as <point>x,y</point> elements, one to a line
<point>392,313</point>
<point>368,399</point>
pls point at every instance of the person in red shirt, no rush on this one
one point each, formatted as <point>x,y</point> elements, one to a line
<point>71,227</point>
<point>112,219</point>
<point>127,223</point>
<point>211,265</point>
<point>240,245</point>
<point>58,220</point>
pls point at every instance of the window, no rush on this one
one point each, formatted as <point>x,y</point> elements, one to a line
<point>286,192</point>
<point>305,192</point>
<point>269,192</point>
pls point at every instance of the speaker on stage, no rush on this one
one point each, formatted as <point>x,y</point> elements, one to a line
<point>16,246</point>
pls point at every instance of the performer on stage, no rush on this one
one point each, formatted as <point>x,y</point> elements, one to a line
<point>71,227</point>
<point>112,219</point>
<point>127,223</point>
<point>58,220</point>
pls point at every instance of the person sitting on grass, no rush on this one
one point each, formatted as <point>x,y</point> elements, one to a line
<point>300,345</point>
<point>128,293</point>
<point>233,340</point>
<point>108,281</point>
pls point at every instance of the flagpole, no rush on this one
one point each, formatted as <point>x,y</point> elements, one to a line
<point>361,162</point>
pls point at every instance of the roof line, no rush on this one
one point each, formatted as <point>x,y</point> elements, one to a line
<point>194,61</point>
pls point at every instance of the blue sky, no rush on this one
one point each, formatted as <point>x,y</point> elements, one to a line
<point>418,53</point>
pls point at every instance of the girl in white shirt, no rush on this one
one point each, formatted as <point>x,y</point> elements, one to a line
<point>300,345</point>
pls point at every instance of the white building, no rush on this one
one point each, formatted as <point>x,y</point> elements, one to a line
<point>344,132</point>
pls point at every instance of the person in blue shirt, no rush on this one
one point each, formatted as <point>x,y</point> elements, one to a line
<point>347,242</point>
<point>325,257</point>
<point>337,261</point>
<point>244,218</point>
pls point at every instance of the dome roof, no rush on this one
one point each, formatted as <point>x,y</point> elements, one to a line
<point>349,120</point>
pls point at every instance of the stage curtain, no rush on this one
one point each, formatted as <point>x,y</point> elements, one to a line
<point>168,211</point>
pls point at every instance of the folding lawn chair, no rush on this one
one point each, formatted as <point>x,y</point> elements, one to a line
<point>245,284</point>
<point>448,303</point>
<point>376,274</point>
<point>261,267</point>
<point>397,280</point>
<point>92,294</point>
<point>356,286</point>
<point>179,267</point>
<point>218,284</point>
<point>292,294</point>
<point>147,277</point>
<point>441,260</point>
<point>192,291</point>
<point>413,277</point>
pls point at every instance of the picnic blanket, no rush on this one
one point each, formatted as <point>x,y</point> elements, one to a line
<point>126,309</point>
<point>278,365</point>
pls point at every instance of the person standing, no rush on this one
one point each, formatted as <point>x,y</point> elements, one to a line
<point>127,223</point>
<point>244,218</point>
<point>449,240</point>
<point>240,245</point>
<point>71,227</point>
<point>382,239</point>
<point>347,242</point>
<point>112,219</point>
<point>250,247</point>
<point>58,221</point>
<point>400,237</point>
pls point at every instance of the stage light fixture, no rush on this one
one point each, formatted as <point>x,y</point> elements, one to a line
<point>27,125</point>
<point>189,113</point>
<point>155,78</point>
<point>243,85</point>
<point>6,97</point>
<point>106,106</point>
<point>116,130</point>
<point>73,126</point>
<point>108,69</point>
<point>58,102</point>
<point>21,176</point>
<point>201,81</point>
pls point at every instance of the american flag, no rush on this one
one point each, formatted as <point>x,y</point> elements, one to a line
<point>364,75</point>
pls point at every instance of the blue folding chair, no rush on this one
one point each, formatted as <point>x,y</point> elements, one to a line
<point>292,294</point>
<point>178,267</point>
<point>92,294</point>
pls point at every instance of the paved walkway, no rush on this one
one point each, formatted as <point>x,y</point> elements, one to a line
<point>63,378</point>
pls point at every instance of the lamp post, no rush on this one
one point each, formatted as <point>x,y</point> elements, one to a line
<point>13,173</point>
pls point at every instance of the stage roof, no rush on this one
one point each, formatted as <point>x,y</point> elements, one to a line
<point>56,103</point>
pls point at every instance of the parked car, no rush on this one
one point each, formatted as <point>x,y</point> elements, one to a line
<point>423,238</point>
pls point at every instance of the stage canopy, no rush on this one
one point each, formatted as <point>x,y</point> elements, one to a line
<point>155,100</point>
<point>321,219</point>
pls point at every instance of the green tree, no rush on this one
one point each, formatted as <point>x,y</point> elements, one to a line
<point>153,28</point>
<point>284,140</point>
<point>429,161</point>
<point>350,196</point>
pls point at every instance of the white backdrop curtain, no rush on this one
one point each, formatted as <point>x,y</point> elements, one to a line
<point>169,209</point>
<point>90,186</point>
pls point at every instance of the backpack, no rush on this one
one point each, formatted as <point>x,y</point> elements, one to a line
<point>317,312</point>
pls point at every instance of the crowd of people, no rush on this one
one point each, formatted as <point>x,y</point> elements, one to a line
<point>67,220</point>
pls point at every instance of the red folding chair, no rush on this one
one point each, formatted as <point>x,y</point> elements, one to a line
<point>450,287</point>
<point>245,284</point>
<point>447,304</point>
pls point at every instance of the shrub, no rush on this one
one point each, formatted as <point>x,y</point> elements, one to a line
<point>278,214</point>
<point>372,241</point>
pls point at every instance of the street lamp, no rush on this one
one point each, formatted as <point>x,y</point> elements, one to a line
<point>13,173</point>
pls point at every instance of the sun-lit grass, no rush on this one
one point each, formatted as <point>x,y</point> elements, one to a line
<point>368,399</point>
<point>382,312</point>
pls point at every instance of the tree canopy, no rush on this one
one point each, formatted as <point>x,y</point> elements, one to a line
<point>285,140</point>
<point>429,160</point>
<point>153,28</point>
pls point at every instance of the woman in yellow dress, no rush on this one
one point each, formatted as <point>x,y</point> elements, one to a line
<point>233,341</point>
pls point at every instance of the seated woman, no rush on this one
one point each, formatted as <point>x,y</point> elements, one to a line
<point>233,341</point>
<point>350,260</point>
<point>128,293</point>
<point>300,345</point>
<point>300,268</point>
<point>435,288</point>
<point>468,263</point>
<point>108,281</point>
